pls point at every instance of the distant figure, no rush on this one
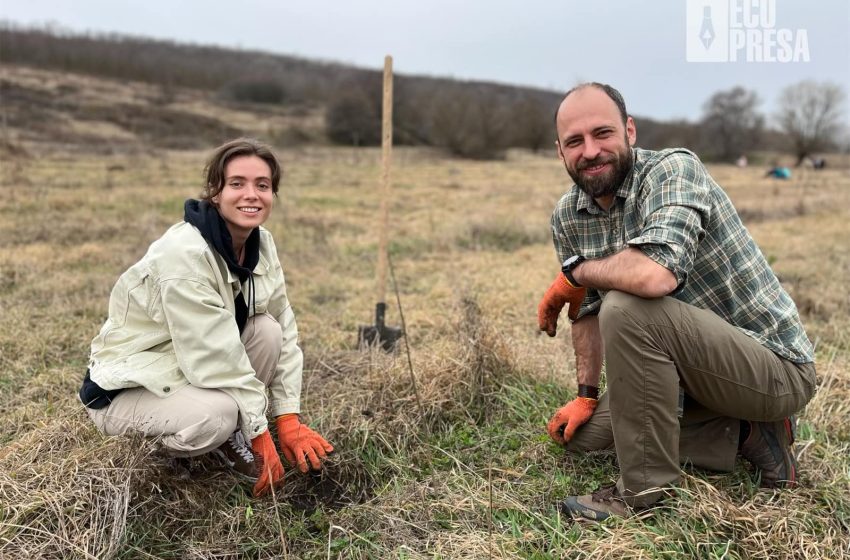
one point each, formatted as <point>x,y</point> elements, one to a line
<point>817,162</point>
<point>201,343</point>
<point>778,172</point>
<point>741,161</point>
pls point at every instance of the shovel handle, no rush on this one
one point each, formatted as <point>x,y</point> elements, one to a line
<point>386,155</point>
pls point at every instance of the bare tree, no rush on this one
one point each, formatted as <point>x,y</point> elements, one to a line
<point>811,114</point>
<point>732,123</point>
<point>532,121</point>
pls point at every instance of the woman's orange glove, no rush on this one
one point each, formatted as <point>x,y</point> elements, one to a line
<point>560,293</point>
<point>569,417</point>
<point>268,463</point>
<point>297,441</point>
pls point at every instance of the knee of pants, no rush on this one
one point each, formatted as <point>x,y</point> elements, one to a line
<point>617,306</point>
<point>206,430</point>
<point>264,331</point>
<point>596,435</point>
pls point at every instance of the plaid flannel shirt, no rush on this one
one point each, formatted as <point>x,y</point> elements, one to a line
<point>676,214</point>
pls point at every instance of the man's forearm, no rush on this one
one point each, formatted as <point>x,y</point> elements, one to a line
<point>587,343</point>
<point>627,271</point>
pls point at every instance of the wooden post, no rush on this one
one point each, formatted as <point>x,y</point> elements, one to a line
<point>386,156</point>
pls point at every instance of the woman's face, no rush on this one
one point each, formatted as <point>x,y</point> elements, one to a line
<point>246,199</point>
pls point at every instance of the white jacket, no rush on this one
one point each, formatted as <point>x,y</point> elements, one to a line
<point>172,323</point>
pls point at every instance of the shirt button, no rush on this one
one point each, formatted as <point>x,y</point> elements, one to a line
<point>166,389</point>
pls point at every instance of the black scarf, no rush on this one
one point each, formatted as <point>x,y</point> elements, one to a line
<point>213,228</point>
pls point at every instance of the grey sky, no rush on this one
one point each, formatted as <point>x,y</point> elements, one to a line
<point>639,47</point>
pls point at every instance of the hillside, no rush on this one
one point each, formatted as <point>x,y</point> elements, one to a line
<point>109,92</point>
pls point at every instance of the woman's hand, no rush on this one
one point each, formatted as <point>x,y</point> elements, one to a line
<point>300,444</point>
<point>268,463</point>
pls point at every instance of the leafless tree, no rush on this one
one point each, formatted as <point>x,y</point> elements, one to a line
<point>731,122</point>
<point>811,114</point>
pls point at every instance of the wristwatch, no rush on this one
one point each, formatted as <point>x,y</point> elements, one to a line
<point>569,265</point>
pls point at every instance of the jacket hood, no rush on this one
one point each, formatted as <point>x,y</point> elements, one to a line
<point>213,228</point>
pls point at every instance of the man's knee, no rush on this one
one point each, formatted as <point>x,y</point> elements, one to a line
<point>623,312</point>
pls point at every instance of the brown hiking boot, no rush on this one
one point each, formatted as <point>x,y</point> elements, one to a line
<point>597,506</point>
<point>770,448</point>
<point>237,456</point>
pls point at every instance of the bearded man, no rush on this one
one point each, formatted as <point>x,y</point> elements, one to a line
<point>705,355</point>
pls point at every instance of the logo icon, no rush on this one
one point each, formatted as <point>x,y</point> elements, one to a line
<point>707,34</point>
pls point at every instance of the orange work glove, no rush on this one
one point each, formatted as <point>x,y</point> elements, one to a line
<point>569,417</point>
<point>297,441</point>
<point>268,463</point>
<point>560,293</point>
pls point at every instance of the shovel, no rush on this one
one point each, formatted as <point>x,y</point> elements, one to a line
<point>380,333</point>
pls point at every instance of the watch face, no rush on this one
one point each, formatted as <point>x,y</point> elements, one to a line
<point>570,261</point>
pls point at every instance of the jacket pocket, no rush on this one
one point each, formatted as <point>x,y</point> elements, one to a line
<point>157,372</point>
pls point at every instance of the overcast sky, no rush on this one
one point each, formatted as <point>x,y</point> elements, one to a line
<point>639,47</point>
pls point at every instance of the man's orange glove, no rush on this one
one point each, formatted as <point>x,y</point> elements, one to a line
<point>560,293</point>
<point>569,417</point>
<point>268,462</point>
<point>297,441</point>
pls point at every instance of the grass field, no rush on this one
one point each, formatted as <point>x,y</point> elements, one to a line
<point>470,472</point>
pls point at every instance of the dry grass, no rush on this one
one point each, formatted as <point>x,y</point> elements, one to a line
<point>471,474</point>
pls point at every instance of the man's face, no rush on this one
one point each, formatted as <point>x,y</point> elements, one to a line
<point>593,143</point>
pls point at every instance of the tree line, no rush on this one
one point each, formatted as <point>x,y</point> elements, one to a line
<point>470,119</point>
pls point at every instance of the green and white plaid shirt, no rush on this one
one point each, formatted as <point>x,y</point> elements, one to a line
<point>671,208</point>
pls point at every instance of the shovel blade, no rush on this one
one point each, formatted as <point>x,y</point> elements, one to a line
<point>379,333</point>
<point>386,337</point>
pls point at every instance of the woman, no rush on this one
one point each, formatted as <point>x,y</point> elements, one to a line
<point>201,340</point>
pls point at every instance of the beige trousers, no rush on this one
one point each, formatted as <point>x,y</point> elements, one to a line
<point>654,346</point>
<point>192,421</point>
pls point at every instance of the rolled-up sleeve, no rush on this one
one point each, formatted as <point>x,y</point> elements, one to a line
<point>675,212</point>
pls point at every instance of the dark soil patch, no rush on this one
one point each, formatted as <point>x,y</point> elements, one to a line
<point>336,486</point>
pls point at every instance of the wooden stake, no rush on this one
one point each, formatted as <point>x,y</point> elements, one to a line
<point>386,156</point>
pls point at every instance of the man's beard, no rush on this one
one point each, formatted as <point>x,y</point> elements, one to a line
<point>597,186</point>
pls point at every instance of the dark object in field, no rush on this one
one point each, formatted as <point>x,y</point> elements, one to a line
<point>379,333</point>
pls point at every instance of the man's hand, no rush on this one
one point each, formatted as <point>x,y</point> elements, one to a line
<point>268,462</point>
<point>569,417</point>
<point>560,293</point>
<point>297,441</point>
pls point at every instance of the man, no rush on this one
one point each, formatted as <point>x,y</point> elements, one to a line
<point>666,285</point>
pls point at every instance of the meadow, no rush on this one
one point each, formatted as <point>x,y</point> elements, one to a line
<point>464,471</point>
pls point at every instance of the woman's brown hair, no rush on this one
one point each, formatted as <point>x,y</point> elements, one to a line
<point>217,164</point>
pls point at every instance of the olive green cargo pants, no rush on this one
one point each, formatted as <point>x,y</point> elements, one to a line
<point>654,346</point>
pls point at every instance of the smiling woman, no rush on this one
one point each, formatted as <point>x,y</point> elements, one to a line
<point>201,340</point>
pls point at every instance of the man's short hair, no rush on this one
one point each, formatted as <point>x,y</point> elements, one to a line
<point>611,92</point>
